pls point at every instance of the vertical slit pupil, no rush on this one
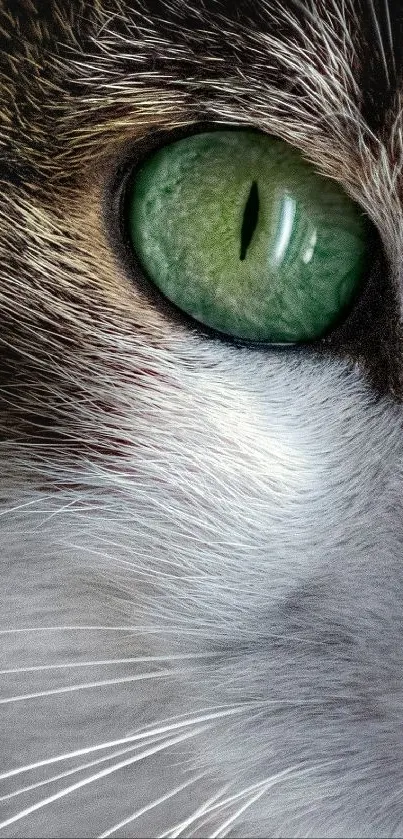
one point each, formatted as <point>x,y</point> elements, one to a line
<point>249,221</point>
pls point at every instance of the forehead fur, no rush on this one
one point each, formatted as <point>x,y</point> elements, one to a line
<point>82,80</point>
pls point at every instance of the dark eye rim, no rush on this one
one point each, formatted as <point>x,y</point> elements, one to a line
<point>132,158</point>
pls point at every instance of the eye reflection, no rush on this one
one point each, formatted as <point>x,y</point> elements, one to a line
<point>284,231</point>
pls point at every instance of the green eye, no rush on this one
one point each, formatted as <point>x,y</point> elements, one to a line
<point>239,232</point>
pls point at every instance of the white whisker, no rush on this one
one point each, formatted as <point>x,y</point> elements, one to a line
<point>307,12</point>
<point>379,38</point>
<point>151,806</point>
<point>23,697</point>
<point>210,807</point>
<point>390,35</point>
<point>222,831</point>
<point>10,510</point>
<point>262,787</point>
<point>210,810</point>
<point>107,661</point>
<point>80,768</point>
<point>82,628</point>
<point>102,774</point>
<point>176,831</point>
<point>72,503</point>
<point>146,629</point>
<point>138,736</point>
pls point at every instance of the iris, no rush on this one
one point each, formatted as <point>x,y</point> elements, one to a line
<point>241,233</point>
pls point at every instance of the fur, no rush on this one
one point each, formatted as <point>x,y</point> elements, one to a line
<point>200,541</point>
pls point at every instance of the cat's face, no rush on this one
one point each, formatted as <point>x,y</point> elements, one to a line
<point>200,539</point>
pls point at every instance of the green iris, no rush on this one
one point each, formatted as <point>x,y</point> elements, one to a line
<point>238,231</point>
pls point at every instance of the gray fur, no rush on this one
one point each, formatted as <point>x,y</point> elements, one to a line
<point>200,543</point>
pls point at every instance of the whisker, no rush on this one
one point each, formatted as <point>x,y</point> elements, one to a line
<point>390,35</point>
<point>102,774</point>
<point>222,831</point>
<point>138,736</point>
<point>307,12</point>
<point>158,674</point>
<point>93,627</point>
<point>78,628</point>
<point>210,807</point>
<point>211,811</point>
<point>79,768</point>
<point>176,831</point>
<point>10,510</point>
<point>108,661</point>
<point>379,38</point>
<point>264,786</point>
<point>151,806</point>
<point>72,503</point>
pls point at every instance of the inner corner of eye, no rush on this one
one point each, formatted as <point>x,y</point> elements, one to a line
<point>243,235</point>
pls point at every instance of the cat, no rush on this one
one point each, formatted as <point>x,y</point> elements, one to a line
<point>201,539</point>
